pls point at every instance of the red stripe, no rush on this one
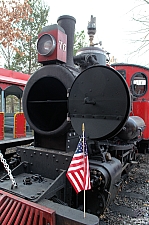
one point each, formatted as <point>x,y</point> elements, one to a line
<point>75,157</point>
<point>81,165</point>
<point>87,175</point>
<point>77,163</point>
<point>79,186</point>
<point>76,179</point>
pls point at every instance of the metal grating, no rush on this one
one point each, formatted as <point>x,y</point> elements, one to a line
<point>15,210</point>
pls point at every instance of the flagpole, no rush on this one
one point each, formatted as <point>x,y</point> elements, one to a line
<point>83,130</point>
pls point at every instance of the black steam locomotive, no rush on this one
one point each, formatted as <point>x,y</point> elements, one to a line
<point>63,94</point>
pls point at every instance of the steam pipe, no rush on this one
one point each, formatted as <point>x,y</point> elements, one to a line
<point>85,58</point>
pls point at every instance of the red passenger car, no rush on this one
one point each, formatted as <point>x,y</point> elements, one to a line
<point>137,79</point>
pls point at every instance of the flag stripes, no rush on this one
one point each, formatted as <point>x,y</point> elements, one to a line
<point>78,172</point>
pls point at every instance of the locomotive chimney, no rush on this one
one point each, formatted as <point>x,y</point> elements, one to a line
<point>68,24</point>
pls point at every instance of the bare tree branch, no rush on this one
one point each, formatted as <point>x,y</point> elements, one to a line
<point>140,36</point>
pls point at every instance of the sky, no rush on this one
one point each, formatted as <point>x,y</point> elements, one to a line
<point>114,24</point>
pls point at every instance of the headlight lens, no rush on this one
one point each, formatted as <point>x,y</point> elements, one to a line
<point>46,44</point>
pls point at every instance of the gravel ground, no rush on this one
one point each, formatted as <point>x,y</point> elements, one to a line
<point>131,206</point>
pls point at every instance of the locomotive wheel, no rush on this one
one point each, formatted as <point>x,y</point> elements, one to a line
<point>96,203</point>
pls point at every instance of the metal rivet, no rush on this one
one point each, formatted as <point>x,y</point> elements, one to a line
<point>32,196</point>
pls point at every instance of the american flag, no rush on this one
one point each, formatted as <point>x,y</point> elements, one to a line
<point>78,172</point>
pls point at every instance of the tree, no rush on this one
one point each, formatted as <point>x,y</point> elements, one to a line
<point>140,35</point>
<point>25,58</point>
<point>79,41</point>
<point>11,12</point>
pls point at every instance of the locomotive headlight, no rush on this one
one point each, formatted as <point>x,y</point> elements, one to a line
<point>46,45</point>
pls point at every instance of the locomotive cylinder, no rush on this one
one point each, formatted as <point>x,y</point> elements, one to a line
<point>132,129</point>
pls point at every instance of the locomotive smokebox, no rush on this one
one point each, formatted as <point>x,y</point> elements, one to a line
<point>100,99</point>
<point>45,100</point>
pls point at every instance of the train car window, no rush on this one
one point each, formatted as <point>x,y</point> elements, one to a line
<point>122,72</point>
<point>139,84</point>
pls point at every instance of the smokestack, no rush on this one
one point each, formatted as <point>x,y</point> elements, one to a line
<point>68,24</point>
